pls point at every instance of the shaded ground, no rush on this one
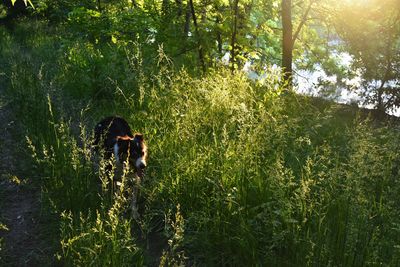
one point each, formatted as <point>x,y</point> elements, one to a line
<point>23,240</point>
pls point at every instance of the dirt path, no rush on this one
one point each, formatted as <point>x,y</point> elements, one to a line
<point>22,237</point>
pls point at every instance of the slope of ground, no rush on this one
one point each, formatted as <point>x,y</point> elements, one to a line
<point>22,232</point>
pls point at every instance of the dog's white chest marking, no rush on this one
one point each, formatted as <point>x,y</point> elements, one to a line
<point>116,154</point>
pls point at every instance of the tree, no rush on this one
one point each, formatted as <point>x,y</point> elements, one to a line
<point>199,41</point>
<point>289,39</point>
<point>235,15</point>
<point>371,33</point>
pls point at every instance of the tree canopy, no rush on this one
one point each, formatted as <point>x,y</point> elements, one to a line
<point>255,34</point>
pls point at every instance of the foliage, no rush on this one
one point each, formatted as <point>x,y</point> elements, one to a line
<point>240,172</point>
<point>322,29</point>
<point>371,32</point>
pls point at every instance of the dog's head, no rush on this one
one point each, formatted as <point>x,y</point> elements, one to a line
<point>134,150</point>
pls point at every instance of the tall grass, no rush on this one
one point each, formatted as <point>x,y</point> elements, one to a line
<point>239,173</point>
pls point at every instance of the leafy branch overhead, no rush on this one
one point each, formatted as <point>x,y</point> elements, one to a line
<point>252,34</point>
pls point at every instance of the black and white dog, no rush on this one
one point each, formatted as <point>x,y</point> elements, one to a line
<point>113,136</point>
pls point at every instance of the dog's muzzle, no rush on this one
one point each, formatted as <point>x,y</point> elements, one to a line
<point>140,165</point>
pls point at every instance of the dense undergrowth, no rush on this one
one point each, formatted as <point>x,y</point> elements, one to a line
<point>240,173</point>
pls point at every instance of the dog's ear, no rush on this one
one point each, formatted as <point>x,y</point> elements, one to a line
<point>138,137</point>
<point>125,138</point>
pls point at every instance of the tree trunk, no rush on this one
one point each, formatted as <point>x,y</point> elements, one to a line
<point>199,45</point>
<point>179,7</point>
<point>165,7</point>
<point>232,59</point>
<point>287,43</point>
<point>219,37</point>
<point>380,105</point>
<point>186,28</point>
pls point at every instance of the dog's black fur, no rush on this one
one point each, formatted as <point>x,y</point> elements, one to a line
<point>114,136</point>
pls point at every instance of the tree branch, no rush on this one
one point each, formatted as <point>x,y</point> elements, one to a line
<point>302,22</point>
<point>199,43</point>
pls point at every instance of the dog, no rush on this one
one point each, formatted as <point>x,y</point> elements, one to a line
<point>113,136</point>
